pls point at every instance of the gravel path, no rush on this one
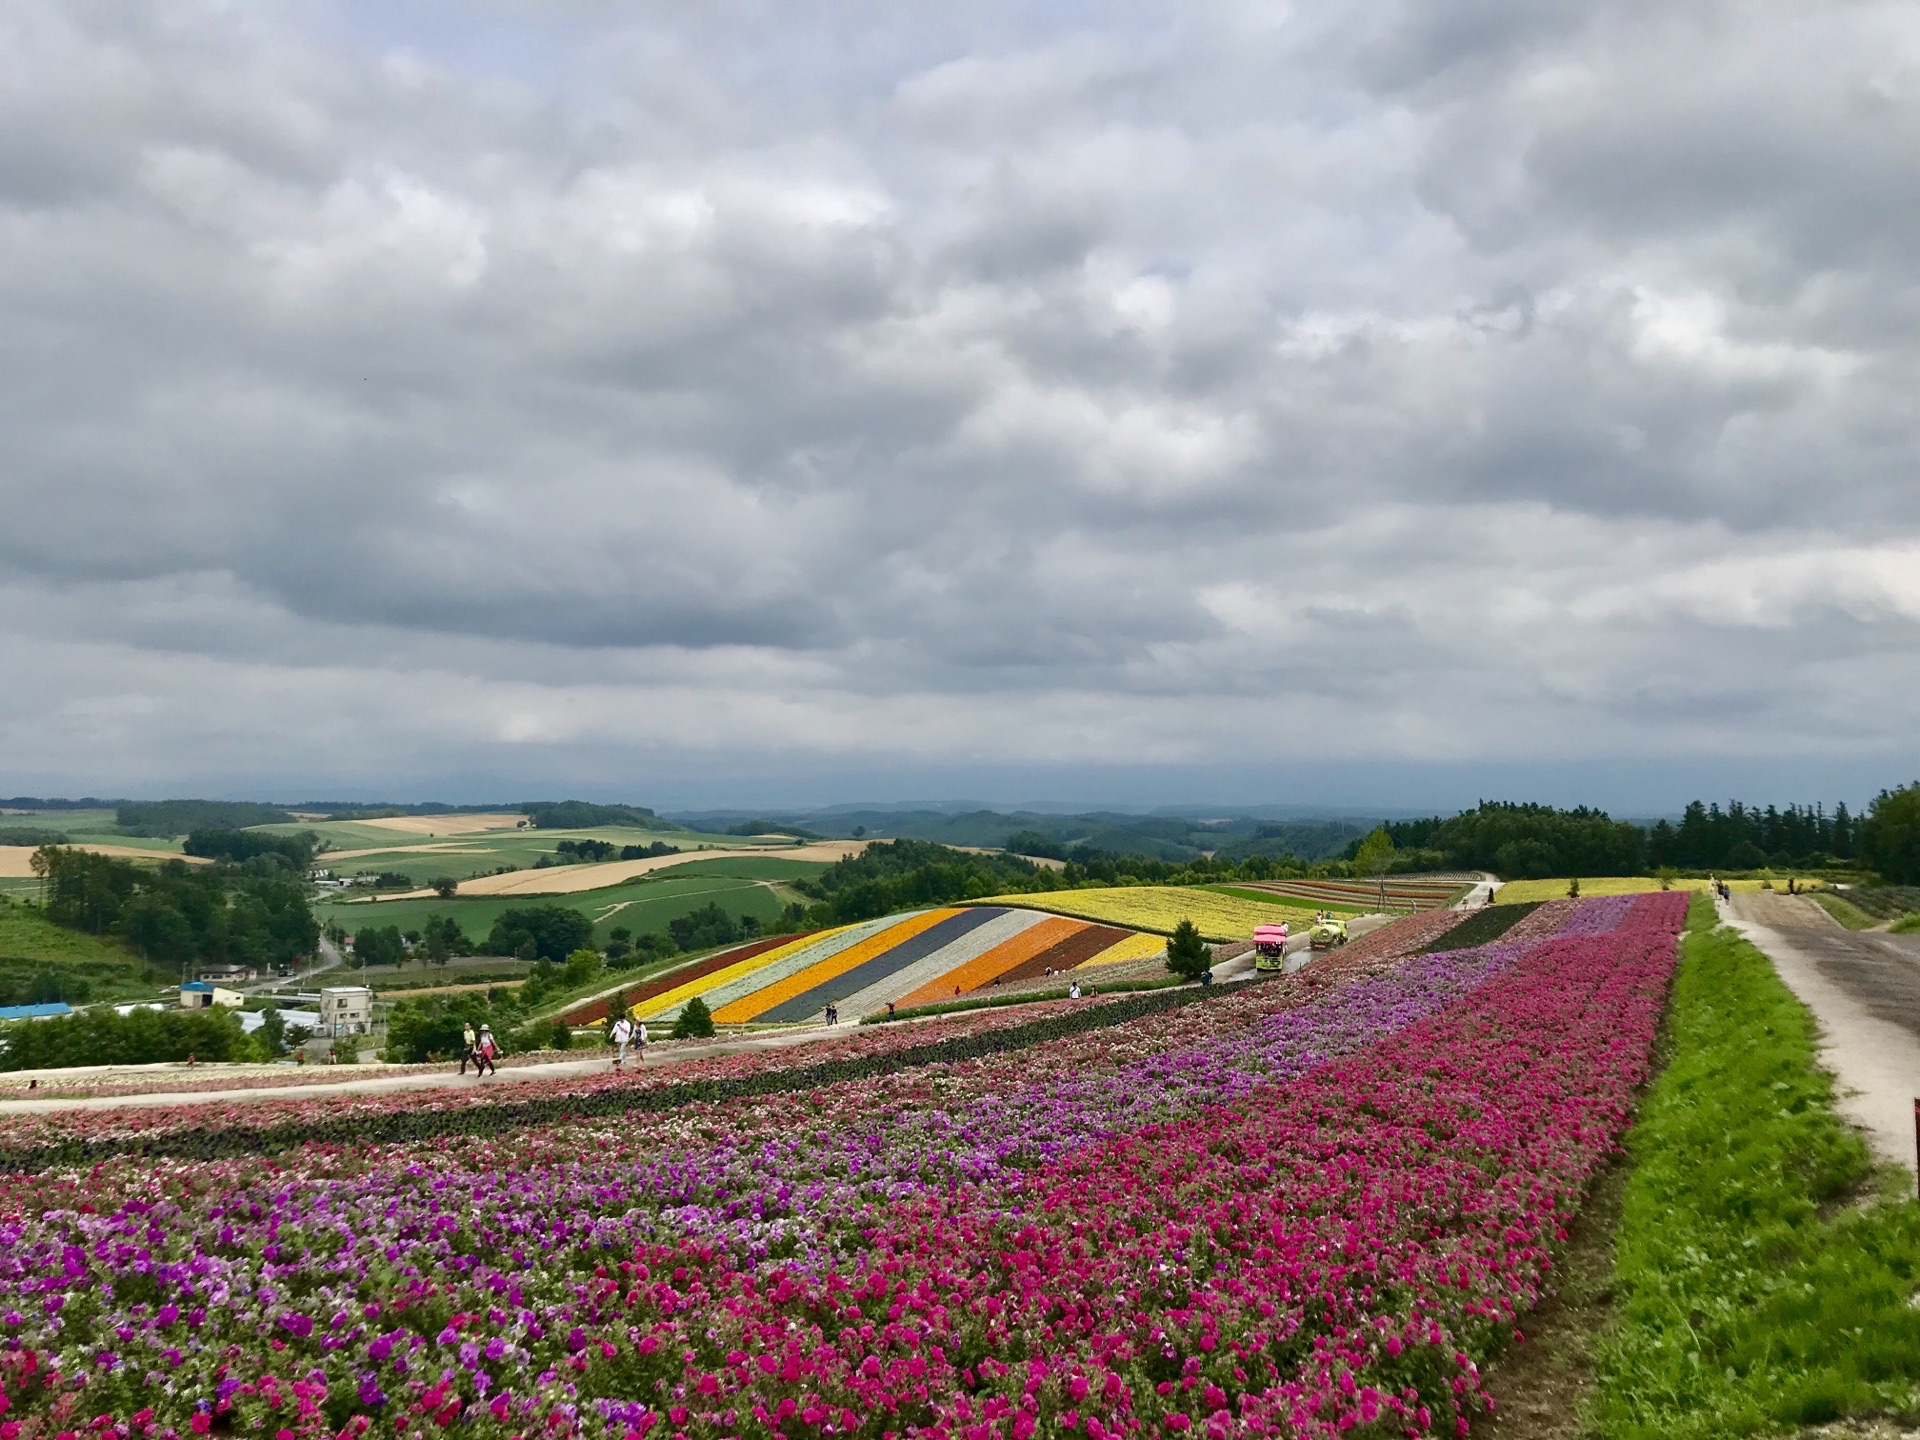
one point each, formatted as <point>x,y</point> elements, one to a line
<point>435,1080</point>
<point>1864,989</point>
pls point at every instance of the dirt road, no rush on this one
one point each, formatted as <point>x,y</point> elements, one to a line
<point>1864,989</point>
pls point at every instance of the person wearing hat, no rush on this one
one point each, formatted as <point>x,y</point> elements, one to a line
<point>483,1052</point>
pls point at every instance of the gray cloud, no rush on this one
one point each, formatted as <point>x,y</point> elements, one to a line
<point>818,388</point>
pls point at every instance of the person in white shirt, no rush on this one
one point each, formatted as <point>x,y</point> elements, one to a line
<point>622,1037</point>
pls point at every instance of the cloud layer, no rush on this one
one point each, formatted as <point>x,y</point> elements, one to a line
<point>406,390</point>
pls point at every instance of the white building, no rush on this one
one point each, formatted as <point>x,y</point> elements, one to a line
<point>204,995</point>
<point>346,1010</point>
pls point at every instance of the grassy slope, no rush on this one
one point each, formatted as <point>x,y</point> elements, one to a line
<point>1851,916</point>
<point>1744,1308</point>
<point>114,972</point>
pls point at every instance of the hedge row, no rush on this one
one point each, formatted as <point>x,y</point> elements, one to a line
<point>214,1142</point>
<point>1486,924</point>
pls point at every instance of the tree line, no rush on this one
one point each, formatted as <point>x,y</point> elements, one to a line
<point>1524,842</point>
<point>103,1036</point>
<point>179,916</point>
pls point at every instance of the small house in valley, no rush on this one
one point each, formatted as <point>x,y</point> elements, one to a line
<point>346,1010</point>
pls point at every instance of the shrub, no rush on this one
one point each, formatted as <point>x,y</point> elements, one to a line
<point>695,1022</point>
<point>559,1037</point>
<point>1187,953</point>
<point>582,965</point>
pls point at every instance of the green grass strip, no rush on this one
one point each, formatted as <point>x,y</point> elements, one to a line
<point>1483,926</point>
<point>1851,916</point>
<point>1744,1310</point>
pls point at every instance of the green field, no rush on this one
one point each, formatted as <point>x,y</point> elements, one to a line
<point>642,906</point>
<point>94,827</point>
<point>752,867</point>
<point>29,943</point>
<point>465,856</point>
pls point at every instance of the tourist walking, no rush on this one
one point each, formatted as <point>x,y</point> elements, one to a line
<point>622,1037</point>
<point>467,1041</point>
<point>483,1052</point>
<point>639,1042</point>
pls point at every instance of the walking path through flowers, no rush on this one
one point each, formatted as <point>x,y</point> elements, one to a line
<point>1298,1206</point>
<point>442,1077</point>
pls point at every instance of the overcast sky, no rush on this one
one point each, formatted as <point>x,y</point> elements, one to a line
<point>746,403</point>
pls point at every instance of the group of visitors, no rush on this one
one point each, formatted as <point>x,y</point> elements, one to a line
<point>478,1047</point>
<point>629,1032</point>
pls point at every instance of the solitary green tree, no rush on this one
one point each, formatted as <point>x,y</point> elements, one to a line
<point>1373,857</point>
<point>1187,953</point>
<point>695,1022</point>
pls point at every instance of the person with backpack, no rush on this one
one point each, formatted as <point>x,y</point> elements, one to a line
<point>622,1035</point>
<point>483,1052</point>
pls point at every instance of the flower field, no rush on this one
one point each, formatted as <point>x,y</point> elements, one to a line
<point>1515,890</point>
<point>1401,894</point>
<point>904,959</point>
<point>1297,1207</point>
<point>1158,908</point>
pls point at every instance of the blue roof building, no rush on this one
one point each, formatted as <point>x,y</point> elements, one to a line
<point>50,1010</point>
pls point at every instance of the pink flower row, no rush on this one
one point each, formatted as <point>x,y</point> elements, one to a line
<point>1332,1253</point>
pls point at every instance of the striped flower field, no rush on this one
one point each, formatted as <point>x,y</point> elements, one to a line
<point>903,959</point>
<point>1158,908</point>
<point>1314,1205</point>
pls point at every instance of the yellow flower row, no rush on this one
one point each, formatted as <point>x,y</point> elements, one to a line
<point>1134,947</point>
<point>1516,892</point>
<point>1161,907</point>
